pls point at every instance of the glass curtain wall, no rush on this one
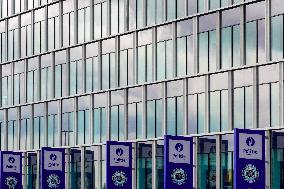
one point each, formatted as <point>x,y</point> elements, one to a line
<point>268,96</point>
<point>243,99</point>
<point>154,11</point>
<point>12,129</point>
<point>68,23</point>
<point>53,26</point>
<point>46,76</point>
<point>227,161</point>
<point>175,108</point>
<point>60,75</point>
<point>135,109</point>
<point>39,31</point>
<point>84,21</point>
<point>164,52</point>
<point>19,82</point>
<point>100,18</point>
<point>2,41</point>
<point>218,106</point>
<point>83,120</point>
<point>32,79</point>
<point>117,17</point>
<point>26,128</point>
<point>26,34</point>
<point>67,124</point>
<point>39,131</point>
<point>184,49</point>
<point>207,43</point>
<point>144,165</point>
<point>6,84</point>
<point>76,71</point>
<point>230,38</point>
<point>117,112</point>
<point>13,38</point>
<point>108,73</point>
<point>255,33</point>
<point>100,110</point>
<point>92,67</point>
<point>154,111</point>
<point>196,105</point>
<point>2,125</point>
<point>126,66</point>
<point>144,57</point>
<point>52,121</point>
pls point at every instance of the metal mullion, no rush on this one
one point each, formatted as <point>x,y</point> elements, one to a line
<point>218,162</point>
<point>174,38</point>
<point>45,124</point>
<point>108,122</point>
<point>195,44</point>
<point>24,168</point>
<point>185,106</point>
<point>18,124</point>
<point>164,105</point>
<point>75,21</point>
<point>230,100</point>
<point>154,163</point>
<point>32,129</point>
<point>154,53</point>
<point>207,101</point>
<point>144,111</point>
<point>59,124</point>
<point>92,20</point>
<point>134,165</point>
<point>52,75</point>
<point>267,30</point>
<point>60,24</point>
<point>126,113</point>
<point>218,42</point>
<point>267,158</point>
<point>84,79</point>
<point>255,97</point>
<point>75,117</point>
<point>38,170</point>
<point>242,36</point>
<point>83,159</point>
<point>91,105</point>
<point>5,129</point>
<point>38,78</point>
<point>135,57</point>
<point>195,161</point>
<point>281,95</point>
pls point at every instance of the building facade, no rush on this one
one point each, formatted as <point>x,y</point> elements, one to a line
<point>76,73</point>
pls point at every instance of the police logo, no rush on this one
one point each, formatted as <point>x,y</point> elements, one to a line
<point>119,178</point>
<point>250,141</point>
<point>53,181</point>
<point>179,147</point>
<point>179,176</point>
<point>250,173</point>
<point>11,182</point>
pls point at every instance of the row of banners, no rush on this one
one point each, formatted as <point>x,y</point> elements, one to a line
<point>249,167</point>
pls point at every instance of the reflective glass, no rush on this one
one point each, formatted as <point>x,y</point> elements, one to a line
<point>52,131</point>
<point>19,81</point>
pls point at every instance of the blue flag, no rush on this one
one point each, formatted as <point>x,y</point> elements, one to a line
<point>249,172</point>
<point>52,166</point>
<point>178,172</point>
<point>119,165</point>
<point>11,170</point>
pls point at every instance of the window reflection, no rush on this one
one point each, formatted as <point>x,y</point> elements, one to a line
<point>6,83</point>
<point>109,75</point>
<point>46,76</point>
<point>52,131</point>
<point>84,21</point>
<point>117,112</point>
<point>39,31</point>
<point>100,117</point>
<point>68,23</point>
<point>100,18</point>
<point>60,73</point>
<point>83,120</point>
<point>26,128</point>
<point>144,165</point>
<point>19,82</point>
<point>75,71</point>
<point>32,79</point>
<point>39,130</point>
<point>13,38</point>
<point>12,129</point>
<point>227,160</point>
<point>67,124</point>
<point>53,26</point>
<point>92,68</point>
<point>26,35</point>
<point>2,41</point>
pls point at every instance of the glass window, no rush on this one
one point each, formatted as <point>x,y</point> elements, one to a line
<point>160,164</point>
<point>100,18</point>
<point>39,31</point>
<point>92,68</point>
<point>26,34</point>
<point>76,71</point>
<point>68,124</point>
<point>75,168</point>
<point>84,21</point>
<point>196,105</point>
<point>243,99</point>
<point>227,160</point>
<point>139,13</point>
<point>175,9</point>
<point>135,109</point>
<point>109,75</point>
<point>39,126</point>
<point>193,6</point>
<point>144,57</point>
<point>132,15</point>
<point>19,6</point>
<point>100,117</point>
<point>154,11</point>
<point>31,170</point>
<point>117,112</point>
<point>207,162</point>
<point>19,82</point>
<point>13,38</point>
<point>32,79</point>
<point>126,67</point>
<point>83,120</point>
<point>53,26</point>
<point>26,128</point>
<point>12,127</point>
<point>207,43</point>
<point>2,41</point>
<point>277,12</point>
<point>117,16</point>
<point>92,172</point>
<point>60,74</point>
<point>68,23</point>
<point>52,128</point>
<point>2,125</point>
<point>46,76</point>
<point>144,165</point>
<point>268,96</point>
<point>175,110</point>
<point>218,115</point>
<point>6,83</point>
<point>33,3</point>
<point>277,153</point>
<point>185,56</point>
<point>154,119</point>
<point>230,38</point>
<point>164,52</point>
<point>255,33</point>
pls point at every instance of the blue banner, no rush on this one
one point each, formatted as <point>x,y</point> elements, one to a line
<point>11,170</point>
<point>52,166</point>
<point>249,172</point>
<point>178,160</point>
<point>119,165</point>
